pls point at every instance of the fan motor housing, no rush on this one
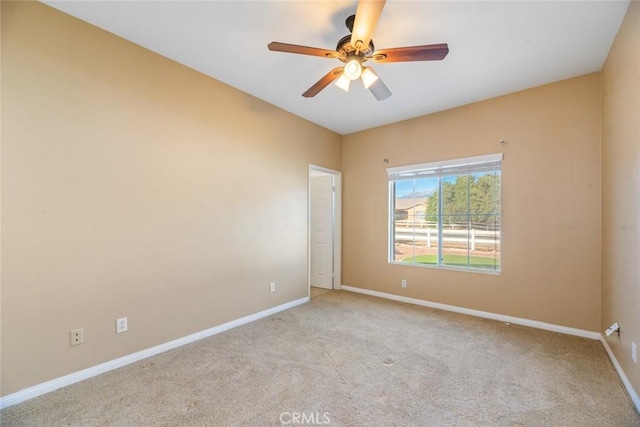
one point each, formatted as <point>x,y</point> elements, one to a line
<point>344,47</point>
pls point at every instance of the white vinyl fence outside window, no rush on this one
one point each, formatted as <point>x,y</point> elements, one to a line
<point>446,214</point>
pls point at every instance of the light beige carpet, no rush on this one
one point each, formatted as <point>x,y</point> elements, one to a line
<point>351,360</point>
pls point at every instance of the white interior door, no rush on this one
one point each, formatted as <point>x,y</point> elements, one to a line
<point>322,224</point>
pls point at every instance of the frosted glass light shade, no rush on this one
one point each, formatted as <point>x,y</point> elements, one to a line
<point>343,83</point>
<point>369,77</point>
<point>352,69</point>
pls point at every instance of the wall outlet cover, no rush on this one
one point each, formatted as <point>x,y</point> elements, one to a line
<point>121,325</point>
<point>76,337</point>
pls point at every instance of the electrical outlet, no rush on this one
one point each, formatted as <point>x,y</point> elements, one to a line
<point>76,337</point>
<point>634,353</point>
<point>272,287</point>
<point>121,325</point>
<point>403,283</point>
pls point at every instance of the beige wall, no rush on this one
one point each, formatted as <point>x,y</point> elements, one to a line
<point>621,192</point>
<point>551,203</point>
<point>133,186</point>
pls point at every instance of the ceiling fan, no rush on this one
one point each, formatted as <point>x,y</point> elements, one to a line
<point>357,48</point>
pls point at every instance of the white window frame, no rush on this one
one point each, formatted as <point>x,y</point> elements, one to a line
<point>439,169</point>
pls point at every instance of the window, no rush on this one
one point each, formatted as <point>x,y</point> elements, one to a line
<point>446,214</point>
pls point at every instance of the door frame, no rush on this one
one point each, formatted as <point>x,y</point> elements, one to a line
<point>336,224</point>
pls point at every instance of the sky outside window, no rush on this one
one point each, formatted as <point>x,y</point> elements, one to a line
<point>423,187</point>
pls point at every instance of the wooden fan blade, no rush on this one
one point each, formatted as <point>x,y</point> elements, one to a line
<point>302,50</point>
<point>380,90</point>
<point>367,15</point>
<point>428,52</point>
<point>323,82</point>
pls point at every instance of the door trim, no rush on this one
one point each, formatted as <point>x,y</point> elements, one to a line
<point>336,224</point>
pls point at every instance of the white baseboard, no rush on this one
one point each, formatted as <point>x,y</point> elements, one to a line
<point>485,314</point>
<point>39,389</point>
<point>621,374</point>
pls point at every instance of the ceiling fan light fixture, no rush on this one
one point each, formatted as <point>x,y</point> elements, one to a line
<point>343,83</point>
<point>368,77</point>
<point>355,49</point>
<point>353,68</point>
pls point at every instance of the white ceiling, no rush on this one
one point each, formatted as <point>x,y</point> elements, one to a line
<point>496,47</point>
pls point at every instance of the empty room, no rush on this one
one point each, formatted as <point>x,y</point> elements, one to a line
<point>341,213</point>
